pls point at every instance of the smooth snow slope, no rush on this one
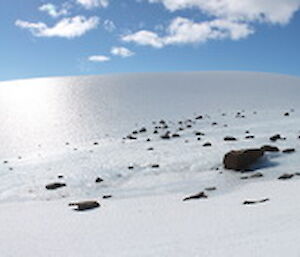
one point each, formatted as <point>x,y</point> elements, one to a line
<point>75,127</point>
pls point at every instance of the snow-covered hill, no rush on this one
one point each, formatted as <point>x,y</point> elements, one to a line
<point>75,130</point>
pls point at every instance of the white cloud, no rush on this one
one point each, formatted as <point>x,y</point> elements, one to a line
<point>67,28</point>
<point>144,37</point>
<point>53,11</point>
<point>99,58</point>
<point>185,31</point>
<point>89,4</point>
<point>109,25</point>
<point>121,51</point>
<point>271,11</point>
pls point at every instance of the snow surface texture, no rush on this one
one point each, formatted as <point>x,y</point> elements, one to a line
<point>75,127</point>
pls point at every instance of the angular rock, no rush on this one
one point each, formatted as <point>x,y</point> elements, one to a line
<point>200,195</point>
<point>207,144</point>
<point>98,180</point>
<point>276,137</point>
<point>85,205</point>
<point>248,202</point>
<point>242,159</point>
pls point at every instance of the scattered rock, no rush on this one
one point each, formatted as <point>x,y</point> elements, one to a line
<point>242,159</point>
<point>207,144</point>
<point>106,196</point>
<point>131,137</point>
<point>130,167</point>
<point>98,180</point>
<point>143,130</point>
<point>210,188</point>
<point>166,135</point>
<point>289,150</point>
<point>155,166</point>
<point>148,140</point>
<point>96,143</point>
<point>200,117</point>
<point>229,138</point>
<point>256,175</point>
<point>276,137</point>
<point>150,149</point>
<point>60,176</point>
<point>214,124</point>
<point>200,195</point>
<point>286,176</point>
<point>287,114</point>
<point>297,174</point>
<point>56,185</point>
<point>175,135</point>
<point>86,205</point>
<point>249,137</point>
<point>269,148</point>
<point>248,202</point>
<point>198,133</point>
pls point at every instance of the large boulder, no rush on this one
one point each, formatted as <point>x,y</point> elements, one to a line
<point>242,159</point>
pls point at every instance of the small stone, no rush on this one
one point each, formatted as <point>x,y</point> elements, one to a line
<point>106,196</point>
<point>286,176</point>
<point>131,137</point>
<point>60,176</point>
<point>229,138</point>
<point>155,166</point>
<point>276,137</point>
<point>56,185</point>
<point>207,144</point>
<point>286,114</point>
<point>86,205</point>
<point>200,195</point>
<point>143,130</point>
<point>175,135</point>
<point>210,188</point>
<point>269,148</point>
<point>150,149</point>
<point>200,117</point>
<point>249,137</point>
<point>98,180</point>
<point>248,202</point>
<point>289,150</point>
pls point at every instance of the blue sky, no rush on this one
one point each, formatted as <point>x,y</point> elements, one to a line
<point>79,37</point>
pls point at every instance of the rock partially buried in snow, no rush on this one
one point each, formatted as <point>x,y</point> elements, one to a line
<point>286,176</point>
<point>269,148</point>
<point>196,196</point>
<point>85,205</point>
<point>229,138</point>
<point>56,185</point>
<point>248,202</point>
<point>289,150</point>
<point>242,159</point>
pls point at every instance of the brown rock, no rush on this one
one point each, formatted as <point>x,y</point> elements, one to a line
<point>242,159</point>
<point>269,148</point>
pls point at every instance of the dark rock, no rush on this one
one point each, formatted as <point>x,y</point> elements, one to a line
<point>143,130</point>
<point>198,133</point>
<point>155,132</point>
<point>297,174</point>
<point>155,166</point>
<point>276,137</point>
<point>242,159</point>
<point>166,135</point>
<point>134,132</point>
<point>286,114</point>
<point>131,137</point>
<point>198,138</point>
<point>56,185</point>
<point>150,149</point>
<point>98,180</point>
<point>106,196</point>
<point>60,176</point>
<point>207,144</point>
<point>200,195</point>
<point>249,137</point>
<point>247,132</point>
<point>148,140</point>
<point>175,135</point>
<point>86,205</point>
<point>248,202</point>
<point>286,176</point>
<point>189,126</point>
<point>210,188</point>
<point>214,124</point>
<point>255,175</point>
<point>228,138</point>
<point>200,117</point>
<point>289,150</point>
<point>130,167</point>
<point>269,148</point>
<point>162,122</point>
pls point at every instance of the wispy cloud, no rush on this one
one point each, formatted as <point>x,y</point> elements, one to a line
<point>90,4</point>
<point>66,28</point>
<point>53,11</point>
<point>121,51</point>
<point>185,31</point>
<point>109,25</point>
<point>99,58</point>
